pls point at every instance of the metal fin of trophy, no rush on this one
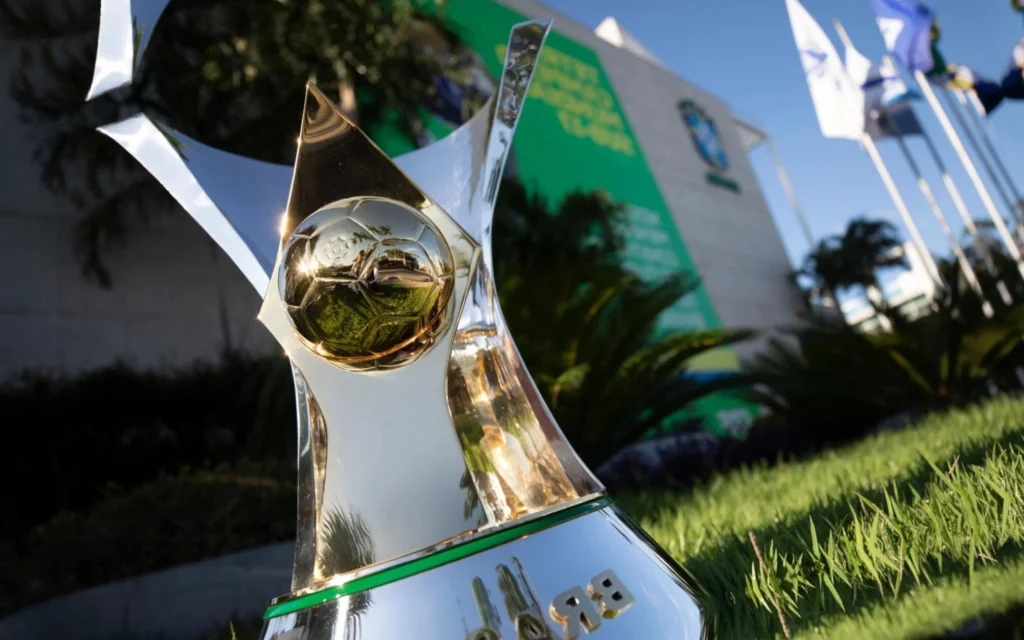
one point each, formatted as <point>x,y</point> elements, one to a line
<point>437,496</point>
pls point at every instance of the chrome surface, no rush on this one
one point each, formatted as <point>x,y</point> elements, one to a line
<point>519,460</point>
<point>366,283</point>
<point>371,275</point>
<point>396,463</point>
<point>237,201</point>
<point>125,29</point>
<point>393,466</point>
<point>517,591</point>
<point>312,449</point>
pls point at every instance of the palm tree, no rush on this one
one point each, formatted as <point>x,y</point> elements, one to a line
<point>343,544</point>
<point>997,271</point>
<point>585,325</point>
<point>834,377</point>
<point>825,269</point>
<point>854,259</point>
<point>227,73</point>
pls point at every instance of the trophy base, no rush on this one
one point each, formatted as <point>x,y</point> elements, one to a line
<point>596,574</point>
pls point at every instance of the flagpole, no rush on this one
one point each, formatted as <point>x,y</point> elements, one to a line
<point>787,186</point>
<point>901,207</point>
<point>974,115</point>
<point>972,171</point>
<point>986,165</point>
<point>869,145</point>
<point>929,195</point>
<point>965,215</point>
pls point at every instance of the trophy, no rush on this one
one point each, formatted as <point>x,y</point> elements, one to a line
<point>437,497</point>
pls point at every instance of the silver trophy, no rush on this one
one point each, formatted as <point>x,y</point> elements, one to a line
<point>437,498</point>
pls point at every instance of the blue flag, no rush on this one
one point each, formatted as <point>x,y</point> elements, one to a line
<point>990,94</point>
<point>1013,84</point>
<point>906,26</point>
<point>1013,81</point>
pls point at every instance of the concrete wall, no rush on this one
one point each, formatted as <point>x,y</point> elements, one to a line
<point>731,237</point>
<point>169,281</point>
<point>164,309</point>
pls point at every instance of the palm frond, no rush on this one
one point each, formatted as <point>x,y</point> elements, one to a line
<point>343,543</point>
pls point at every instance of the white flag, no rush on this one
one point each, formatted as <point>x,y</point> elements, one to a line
<point>836,99</point>
<point>894,89</point>
<point>882,96</point>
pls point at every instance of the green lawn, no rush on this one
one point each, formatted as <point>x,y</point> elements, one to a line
<point>905,535</point>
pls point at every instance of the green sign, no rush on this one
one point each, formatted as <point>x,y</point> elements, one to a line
<point>573,134</point>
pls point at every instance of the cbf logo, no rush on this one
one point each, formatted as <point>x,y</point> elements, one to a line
<point>705,137</point>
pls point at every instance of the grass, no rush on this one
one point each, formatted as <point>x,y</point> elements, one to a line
<point>904,535</point>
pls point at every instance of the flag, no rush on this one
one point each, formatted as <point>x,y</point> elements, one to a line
<point>1013,81</point>
<point>990,94</point>
<point>883,98</point>
<point>833,94</point>
<point>894,90</point>
<point>907,28</point>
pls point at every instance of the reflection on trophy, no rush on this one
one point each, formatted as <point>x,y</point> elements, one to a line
<point>464,86</point>
<point>437,496</point>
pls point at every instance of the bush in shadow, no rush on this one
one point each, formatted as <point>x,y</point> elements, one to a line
<point>77,435</point>
<point>167,522</point>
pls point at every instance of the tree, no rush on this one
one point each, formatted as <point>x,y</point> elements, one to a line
<point>853,260</point>
<point>227,73</point>
<point>997,271</point>
<point>585,325</point>
<point>834,377</point>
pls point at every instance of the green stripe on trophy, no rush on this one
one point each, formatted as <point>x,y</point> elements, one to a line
<point>433,561</point>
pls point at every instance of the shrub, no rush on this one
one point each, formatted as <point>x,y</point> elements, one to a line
<point>126,427</point>
<point>167,522</point>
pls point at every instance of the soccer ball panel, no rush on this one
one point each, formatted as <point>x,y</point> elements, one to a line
<point>366,283</point>
<point>341,249</point>
<point>295,282</point>
<point>429,245</point>
<point>385,220</point>
<point>335,316</point>
<point>402,261</point>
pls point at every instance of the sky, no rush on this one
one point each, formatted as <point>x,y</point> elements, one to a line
<point>743,52</point>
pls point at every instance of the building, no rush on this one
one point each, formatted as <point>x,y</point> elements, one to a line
<point>910,293</point>
<point>602,112</point>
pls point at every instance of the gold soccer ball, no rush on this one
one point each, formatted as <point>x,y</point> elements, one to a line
<point>366,283</point>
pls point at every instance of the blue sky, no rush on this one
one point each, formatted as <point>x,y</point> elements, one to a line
<point>743,51</point>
